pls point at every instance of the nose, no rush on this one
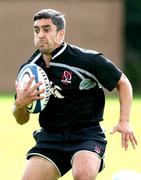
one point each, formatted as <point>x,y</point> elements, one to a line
<point>41,34</point>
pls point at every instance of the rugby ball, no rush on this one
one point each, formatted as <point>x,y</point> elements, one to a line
<point>24,75</point>
<point>127,175</point>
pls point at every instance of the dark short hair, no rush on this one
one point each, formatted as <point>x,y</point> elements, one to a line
<point>58,18</point>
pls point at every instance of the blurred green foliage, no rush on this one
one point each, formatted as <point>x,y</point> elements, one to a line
<point>133,42</point>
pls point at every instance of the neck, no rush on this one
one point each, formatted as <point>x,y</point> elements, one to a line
<point>47,59</point>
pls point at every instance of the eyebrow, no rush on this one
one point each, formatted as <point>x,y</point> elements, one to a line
<point>48,25</point>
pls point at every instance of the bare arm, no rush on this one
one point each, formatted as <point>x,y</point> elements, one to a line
<point>25,96</point>
<point>125,98</point>
<point>20,113</point>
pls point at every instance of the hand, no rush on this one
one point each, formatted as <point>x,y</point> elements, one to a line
<point>127,134</point>
<point>28,93</point>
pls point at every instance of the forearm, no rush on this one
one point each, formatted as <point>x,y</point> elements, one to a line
<point>20,113</point>
<point>123,126</point>
<point>125,97</point>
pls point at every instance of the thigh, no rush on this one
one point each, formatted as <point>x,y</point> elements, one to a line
<point>39,168</point>
<point>52,146</point>
<point>85,165</point>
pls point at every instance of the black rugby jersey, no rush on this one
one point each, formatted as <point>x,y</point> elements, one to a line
<point>77,76</point>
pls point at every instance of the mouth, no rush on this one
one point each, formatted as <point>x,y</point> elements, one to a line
<point>42,43</point>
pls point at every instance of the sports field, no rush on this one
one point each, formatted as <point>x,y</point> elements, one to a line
<point>15,140</point>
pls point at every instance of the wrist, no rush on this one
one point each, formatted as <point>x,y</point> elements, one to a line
<point>19,105</point>
<point>124,119</point>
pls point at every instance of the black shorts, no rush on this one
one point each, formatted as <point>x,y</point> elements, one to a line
<point>59,147</point>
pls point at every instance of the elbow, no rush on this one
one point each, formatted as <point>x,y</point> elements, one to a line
<point>124,83</point>
<point>21,122</point>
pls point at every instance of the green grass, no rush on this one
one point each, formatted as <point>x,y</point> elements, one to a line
<point>15,141</point>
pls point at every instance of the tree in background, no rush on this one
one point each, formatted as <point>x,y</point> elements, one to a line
<point>133,42</point>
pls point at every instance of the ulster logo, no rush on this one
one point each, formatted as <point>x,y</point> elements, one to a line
<point>97,149</point>
<point>54,90</point>
<point>66,77</point>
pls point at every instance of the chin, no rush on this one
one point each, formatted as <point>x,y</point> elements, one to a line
<point>44,51</point>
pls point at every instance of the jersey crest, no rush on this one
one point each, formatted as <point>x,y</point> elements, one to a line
<point>66,77</point>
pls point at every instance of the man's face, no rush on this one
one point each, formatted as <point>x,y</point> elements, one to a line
<point>46,36</point>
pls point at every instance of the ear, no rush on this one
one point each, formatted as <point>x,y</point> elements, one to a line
<point>61,36</point>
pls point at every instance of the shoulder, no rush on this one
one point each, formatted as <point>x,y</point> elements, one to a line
<point>35,56</point>
<point>83,55</point>
<point>87,52</point>
<point>32,59</point>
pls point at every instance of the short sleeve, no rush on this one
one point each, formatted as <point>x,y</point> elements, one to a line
<point>107,73</point>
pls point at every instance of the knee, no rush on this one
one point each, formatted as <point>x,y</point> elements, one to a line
<point>83,175</point>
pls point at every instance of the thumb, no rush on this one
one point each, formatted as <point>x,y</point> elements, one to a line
<point>113,130</point>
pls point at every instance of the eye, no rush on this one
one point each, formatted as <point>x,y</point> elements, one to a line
<point>36,30</point>
<point>47,28</point>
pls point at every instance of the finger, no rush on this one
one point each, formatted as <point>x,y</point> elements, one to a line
<point>126,141</point>
<point>36,86</point>
<point>133,140</point>
<point>123,140</point>
<point>16,84</point>
<point>39,97</point>
<point>30,82</point>
<point>39,92</point>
